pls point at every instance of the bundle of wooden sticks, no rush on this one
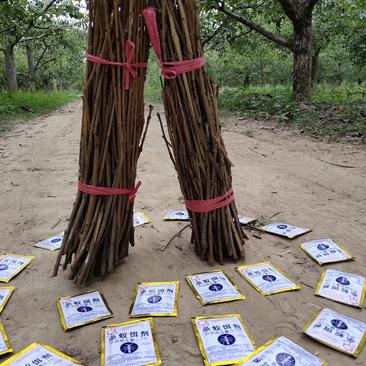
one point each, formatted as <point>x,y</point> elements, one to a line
<point>112,134</point>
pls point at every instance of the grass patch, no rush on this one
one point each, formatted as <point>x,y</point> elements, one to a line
<point>333,111</point>
<point>24,105</point>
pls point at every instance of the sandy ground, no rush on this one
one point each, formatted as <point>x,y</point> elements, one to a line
<point>274,171</point>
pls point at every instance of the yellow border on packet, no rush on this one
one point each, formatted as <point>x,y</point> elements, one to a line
<point>6,340</point>
<point>175,313</point>
<point>31,257</point>
<point>62,317</point>
<point>297,287</point>
<point>266,345</point>
<point>302,246</point>
<point>200,299</point>
<point>202,347</point>
<point>363,294</point>
<point>153,332</point>
<point>31,346</point>
<point>312,320</point>
<point>50,250</point>
<point>306,231</point>
<point>143,214</point>
<point>12,288</point>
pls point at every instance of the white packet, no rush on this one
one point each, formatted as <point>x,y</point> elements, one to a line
<point>285,230</point>
<point>176,216</point>
<point>140,218</point>
<point>52,244</point>
<point>13,264</point>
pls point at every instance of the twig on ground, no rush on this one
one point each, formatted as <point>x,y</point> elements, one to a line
<point>176,235</point>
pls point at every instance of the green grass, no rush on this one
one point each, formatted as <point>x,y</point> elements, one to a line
<point>23,105</point>
<point>333,111</point>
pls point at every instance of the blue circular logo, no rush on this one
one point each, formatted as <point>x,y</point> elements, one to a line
<point>269,278</point>
<point>216,287</point>
<point>282,226</point>
<point>56,240</point>
<point>323,246</point>
<point>343,281</point>
<point>180,213</point>
<point>84,309</point>
<point>129,347</point>
<point>339,324</point>
<point>4,267</point>
<point>285,359</point>
<point>226,339</point>
<point>154,299</point>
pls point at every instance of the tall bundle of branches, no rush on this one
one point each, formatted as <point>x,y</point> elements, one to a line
<point>112,134</point>
<point>196,145</point>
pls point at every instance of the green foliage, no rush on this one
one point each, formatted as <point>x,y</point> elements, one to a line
<point>153,82</point>
<point>25,105</point>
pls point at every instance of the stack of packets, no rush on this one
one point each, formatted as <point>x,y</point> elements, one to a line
<point>213,287</point>
<point>12,264</point>
<point>130,343</point>
<point>223,340</point>
<point>52,244</point>
<point>83,309</point>
<point>176,216</point>
<point>337,331</point>
<point>266,278</point>
<point>326,251</point>
<point>282,352</point>
<point>288,231</point>
<point>140,218</point>
<point>42,355</point>
<point>347,288</point>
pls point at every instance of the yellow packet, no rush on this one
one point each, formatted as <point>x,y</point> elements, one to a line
<point>5,294</point>
<point>5,346</point>
<point>266,278</point>
<point>140,218</point>
<point>155,299</point>
<point>124,342</point>
<point>213,287</point>
<point>222,339</point>
<point>78,310</point>
<point>288,231</point>
<point>338,331</point>
<point>51,244</point>
<point>12,264</point>
<point>47,354</point>
<point>282,351</point>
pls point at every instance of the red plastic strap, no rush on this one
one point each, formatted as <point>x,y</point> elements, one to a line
<point>104,191</point>
<point>170,69</point>
<point>130,48</point>
<point>212,204</point>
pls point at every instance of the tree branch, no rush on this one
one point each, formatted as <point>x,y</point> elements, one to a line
<point>212,35</point>
<point>284,42</point>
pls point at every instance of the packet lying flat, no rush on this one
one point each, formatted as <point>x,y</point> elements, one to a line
<point>176,216</point>
<point>40,355</point>
<point>337,331</point>
<point>282,352</point>
<point>347,288</point>
<point>155,299</point>
<point>5,346</point>
<point>326,251</point>
<point>130,344</point>
<point>5,294</point>
<point>266,278</point>
<point>285,230</point>
<point>52,244</point>
<point>140,218</point>
<point>83,309</point>
<point>213,287</point>
<point>13,264</point>
<point>244,220</point>
<point>223,340</point>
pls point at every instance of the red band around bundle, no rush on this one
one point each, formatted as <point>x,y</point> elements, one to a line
<point>104,191</point>
<point>212,204</point>
<point>130,48</point>
<point>170,69</point>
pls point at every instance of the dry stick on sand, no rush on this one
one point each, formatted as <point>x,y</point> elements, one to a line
<point>200,158</point>
<point>112,134</point>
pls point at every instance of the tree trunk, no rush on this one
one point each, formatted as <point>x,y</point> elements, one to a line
<point>315,68</point>
<point>10,71</point>
<point>301,78</point>
<point>31,68</point>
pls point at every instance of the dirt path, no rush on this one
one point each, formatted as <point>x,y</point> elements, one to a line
<point>274,171</point>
